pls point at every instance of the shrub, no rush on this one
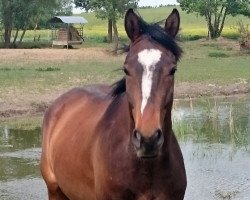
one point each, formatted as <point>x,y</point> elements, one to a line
<point>48,69</point>
<point>218,55</point>
<point>244,32</point>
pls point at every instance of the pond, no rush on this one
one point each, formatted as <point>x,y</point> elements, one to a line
<point>214,135</point>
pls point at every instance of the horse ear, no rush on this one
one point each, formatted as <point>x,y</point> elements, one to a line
<point>172,23</point>
<point>132,25</point>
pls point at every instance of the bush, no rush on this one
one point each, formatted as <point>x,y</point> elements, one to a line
<point>190,37</point>
<point>48,69</point>
<point>218,55</point>
<point>244,35</point>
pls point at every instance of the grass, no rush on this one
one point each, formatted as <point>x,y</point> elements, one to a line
<point>192,27</point>
<point>197,66</point>
<point>218,55</point>
<point>212,121</point>
<point>20,72</point>
<point>36,73</point>
<point>86,66</point>
<point>27,123</point>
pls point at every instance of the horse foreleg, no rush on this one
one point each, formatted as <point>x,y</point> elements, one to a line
<point>56,194</point>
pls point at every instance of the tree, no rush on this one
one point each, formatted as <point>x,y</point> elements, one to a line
<point>111,10</point>
<point>62,7</point>
<point>215,12</point>
<point>85,4</point>
<point>22,14</point>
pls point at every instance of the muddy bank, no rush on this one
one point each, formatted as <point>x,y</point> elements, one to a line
<point>20,103</point>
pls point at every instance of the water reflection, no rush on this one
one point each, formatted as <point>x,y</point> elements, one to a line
<point>213,121</point>
<point>215,140</point>
<point>19,155</point>
<point>17,139</point>
<point>214,135</point>
<point>216,171</point>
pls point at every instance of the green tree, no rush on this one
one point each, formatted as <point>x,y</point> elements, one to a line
<point>85,4</point>
<point>215,12</point>
<point>62,7</point>
<point>23,14</point>
<point>111,10</point>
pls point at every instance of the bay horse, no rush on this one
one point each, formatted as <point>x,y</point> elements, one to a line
<point>116,142</point>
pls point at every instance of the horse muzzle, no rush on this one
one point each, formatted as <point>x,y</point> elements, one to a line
<point>147,147</point>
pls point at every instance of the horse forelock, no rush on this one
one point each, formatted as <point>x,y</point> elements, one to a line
<point>158,34</point>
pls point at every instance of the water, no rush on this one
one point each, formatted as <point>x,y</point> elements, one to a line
<point>215,139</point>
<point>19,164</point>
<point>214,136</point>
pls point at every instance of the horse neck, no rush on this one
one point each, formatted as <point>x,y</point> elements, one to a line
<point>118,113</point>
<point>115,128</point>
<point>167,125</point>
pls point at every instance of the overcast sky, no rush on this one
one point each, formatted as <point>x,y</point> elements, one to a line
<point>156,2</point>
<point>145,3</point>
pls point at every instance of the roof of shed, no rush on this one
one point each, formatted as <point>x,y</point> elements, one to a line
<point>68,20</point>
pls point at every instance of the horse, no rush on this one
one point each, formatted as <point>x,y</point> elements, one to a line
<point>116,142</point>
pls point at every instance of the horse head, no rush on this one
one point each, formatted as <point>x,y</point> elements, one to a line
<point>149,69</point>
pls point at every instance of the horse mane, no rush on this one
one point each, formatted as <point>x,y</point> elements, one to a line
<point>118,87</point>
<point>155,32</point>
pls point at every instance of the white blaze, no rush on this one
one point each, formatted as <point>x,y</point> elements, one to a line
<point>148,58</point>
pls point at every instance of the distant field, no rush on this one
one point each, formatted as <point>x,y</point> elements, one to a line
<point>192,26</point>
<point>203,62</point>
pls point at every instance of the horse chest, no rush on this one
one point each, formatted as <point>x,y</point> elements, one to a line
<point>138,183</point>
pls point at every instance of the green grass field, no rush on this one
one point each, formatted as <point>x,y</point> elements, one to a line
<point>198,65</point>
<point>192,26</point>
<point>202,62</point>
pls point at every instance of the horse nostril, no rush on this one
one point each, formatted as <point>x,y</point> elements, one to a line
<point>158,137</point>
<point>158,134</point>
<point>136,138</point>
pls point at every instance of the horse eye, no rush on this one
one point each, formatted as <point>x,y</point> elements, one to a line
<point>126,71</point>
<point>172,71</point>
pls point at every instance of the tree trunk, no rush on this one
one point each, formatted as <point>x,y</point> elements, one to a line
<point>208,28</point>
<point>15,38</point>
<point>35,32</point>
<point>209,25</point>
<point>116,37</point>
<point>223,22</point>
<point>7,15</point>
<point>212,28</point>
<point>7,34</point>
<point>21,38</point>
<point>110,36</point>
<point>216,28</point>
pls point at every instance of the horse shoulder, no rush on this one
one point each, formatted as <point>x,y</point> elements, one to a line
<point>68,127</point>
<point>75,98</point>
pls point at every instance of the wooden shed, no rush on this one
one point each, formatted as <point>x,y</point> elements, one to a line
<point>63,31</point>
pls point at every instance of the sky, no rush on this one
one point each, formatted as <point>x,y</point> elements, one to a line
<point>144,3</point>
<point>156,2</point>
